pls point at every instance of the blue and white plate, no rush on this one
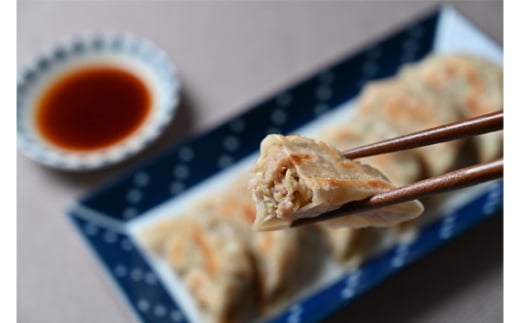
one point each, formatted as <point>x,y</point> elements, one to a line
<point>120,50</point>
<point>111,217</point>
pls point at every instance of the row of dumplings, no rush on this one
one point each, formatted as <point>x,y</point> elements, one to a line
<point>440,89</point>
<point>236,274</point>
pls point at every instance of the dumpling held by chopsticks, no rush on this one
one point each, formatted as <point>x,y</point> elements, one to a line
<point>297,177</point>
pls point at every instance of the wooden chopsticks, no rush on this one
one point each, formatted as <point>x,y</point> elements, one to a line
<point>467,128</point>
<point>454,180</point>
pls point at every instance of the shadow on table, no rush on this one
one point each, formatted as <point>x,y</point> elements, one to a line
<point>434,280</point>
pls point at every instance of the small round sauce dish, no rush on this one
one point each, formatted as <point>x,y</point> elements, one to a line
<point>94,101</point>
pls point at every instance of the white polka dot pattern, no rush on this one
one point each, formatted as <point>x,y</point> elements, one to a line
<point>159,310</point>
<point>129,213</point>
<point>237,125</point>
<point>186,154</point>
<point>143,305</point>
<point>351,284</point>
<point>411,46</point>
<point>295,314</point>
<point>126,245</point>
<point>323,92</point>
<point>374,53</point>
<point>400,255</point>
<point>109,236</point>
<point>176,188</point>
<point>120,271</point>
<point>448,224</point>
<point>369,69</point>
<point>176,316</point>
<point>320,108</point>
<point>231,143</point>
<point>278,117</point>
<point>91,229</point>
<point>494,200</point>
<point>141,179</point>
<point>181,171</point>
<point>284,100</point>
<point>224,161</point>
<point>136,274</point>
<point>273,130</point>
<point>150,278</point>
<point>326,77</point>
<point>134,196</point>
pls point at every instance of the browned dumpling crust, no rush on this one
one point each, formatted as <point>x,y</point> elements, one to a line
<point>472,85</point>
<point>407,108</point>
<point>212,259</point>
<point>277,254</point>
<point>347,246</point>
<point>297,177</point>
<point>401,168</point>
<point>154,237</point>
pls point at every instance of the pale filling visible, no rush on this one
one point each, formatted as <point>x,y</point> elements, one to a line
<point>283,193</point>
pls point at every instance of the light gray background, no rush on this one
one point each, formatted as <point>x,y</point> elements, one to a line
<point>231,54</point>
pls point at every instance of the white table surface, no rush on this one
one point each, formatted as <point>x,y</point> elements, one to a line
<point>231,54</point>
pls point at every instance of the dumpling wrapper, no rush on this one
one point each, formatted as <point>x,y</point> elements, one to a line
<point>277,254</point>
<point>349,247</point>
<point>213,260</point>
<point>408,108</point>
<point>473,85</point>
<point>297,177</point>
<point>155,236</point>
<point>401,167</point>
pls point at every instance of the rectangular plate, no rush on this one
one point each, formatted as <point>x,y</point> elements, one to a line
<point>110,217</point>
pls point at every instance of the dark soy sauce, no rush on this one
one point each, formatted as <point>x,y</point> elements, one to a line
<point>92,108</point>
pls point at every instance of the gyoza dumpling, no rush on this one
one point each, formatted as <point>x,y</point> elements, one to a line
<point>472,84</point>
<point>297,177</point>
<point>277,255</point>
<point>401,167</point>
<point>213,260</point>
<point>407,109</point>
<point>350,247</point>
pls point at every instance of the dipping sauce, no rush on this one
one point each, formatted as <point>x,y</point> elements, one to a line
<point>92,108</point>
